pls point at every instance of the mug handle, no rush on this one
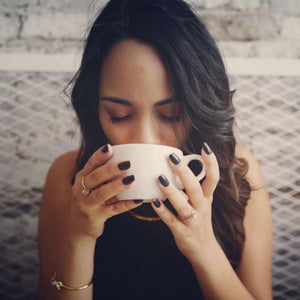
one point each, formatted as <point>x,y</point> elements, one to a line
<point>188,158</point>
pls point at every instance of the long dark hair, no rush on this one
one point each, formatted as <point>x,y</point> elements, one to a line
<point>198,81</point>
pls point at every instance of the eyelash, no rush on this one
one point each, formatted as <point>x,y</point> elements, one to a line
<point>162,117</point>
<point>118,120</point>
<point>170,119</point>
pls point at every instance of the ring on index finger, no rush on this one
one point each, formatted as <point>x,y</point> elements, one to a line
<point>193,215</point>
<point>85,191</point>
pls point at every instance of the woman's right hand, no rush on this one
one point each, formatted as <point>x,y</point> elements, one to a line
<point>89,213</point>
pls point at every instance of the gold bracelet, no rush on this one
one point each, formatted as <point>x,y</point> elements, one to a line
<point>59,285</point>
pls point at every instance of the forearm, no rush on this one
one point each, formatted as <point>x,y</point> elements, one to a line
<point>75,270</point>
<point>216,277</point>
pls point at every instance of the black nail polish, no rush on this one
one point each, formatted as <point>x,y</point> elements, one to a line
<point>104,149</point>
<point>163,180</point>
<point>128,179</point>
<point>174,158</point>
<point>138,201</point>
<point>206,148</point>
<point>157,203</point>
<point>124,165</point>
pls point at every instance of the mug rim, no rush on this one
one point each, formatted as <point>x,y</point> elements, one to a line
<point>145,145</point>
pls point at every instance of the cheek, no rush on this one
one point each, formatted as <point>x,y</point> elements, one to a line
<point>184,131</point>
<point>115,134</point>
<point>105,124</point>
<point>168,136</point>
<point>181,135</point>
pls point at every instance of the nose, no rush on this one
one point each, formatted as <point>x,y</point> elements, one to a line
<point>145,132</point>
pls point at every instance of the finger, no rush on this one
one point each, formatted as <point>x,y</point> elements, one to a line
<point>175,196</point>
<point>111,201</point>
<point>166,215</point>
<point>106,173</point>
<point>111,189</point>
<point>98,158</point>
<point>188,179</point>
<point>212,172</point>
<point>119,207</point>
<point>185,196</point>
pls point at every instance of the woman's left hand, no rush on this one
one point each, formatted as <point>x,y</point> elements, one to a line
<point>192,229</point>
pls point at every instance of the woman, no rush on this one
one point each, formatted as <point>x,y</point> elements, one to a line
<point>151,73</point>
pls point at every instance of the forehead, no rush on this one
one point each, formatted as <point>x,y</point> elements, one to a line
<point>134,71</point>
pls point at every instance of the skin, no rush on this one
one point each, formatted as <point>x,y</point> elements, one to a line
<point>70,223</point>
<point>143,82</point>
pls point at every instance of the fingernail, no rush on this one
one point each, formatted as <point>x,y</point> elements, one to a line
<point>174,158</point>
<point>163,180</point>
<point>138,201</point>
<point>128,179</point>
<point>156,202</point>
<point>206,148</point>
<point>105,149</point>
<point>124,165</point>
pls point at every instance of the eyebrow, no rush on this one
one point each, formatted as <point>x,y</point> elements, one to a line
<point>128,103</point>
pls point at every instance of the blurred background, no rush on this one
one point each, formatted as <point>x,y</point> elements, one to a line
<point>40,47</point>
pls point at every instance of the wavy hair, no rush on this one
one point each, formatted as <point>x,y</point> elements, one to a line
<point>198,81</point>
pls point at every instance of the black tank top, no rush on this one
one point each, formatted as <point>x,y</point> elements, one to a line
<point>136,259</point>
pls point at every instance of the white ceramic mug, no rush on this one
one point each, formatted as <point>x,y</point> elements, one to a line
<point>148,162</point>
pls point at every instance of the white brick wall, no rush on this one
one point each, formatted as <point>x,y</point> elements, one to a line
<point>54,24</point>
<point>9,27</point>
<point>243,28</point>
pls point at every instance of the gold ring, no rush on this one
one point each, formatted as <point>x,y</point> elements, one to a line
<point>194,214</point>
<point>85,191</point>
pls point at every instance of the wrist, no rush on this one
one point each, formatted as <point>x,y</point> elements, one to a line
<point>76,267</point>
<point>205,252</point>
<point>77,243</point>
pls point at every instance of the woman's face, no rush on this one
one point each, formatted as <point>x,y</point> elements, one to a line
<point>135,97</point>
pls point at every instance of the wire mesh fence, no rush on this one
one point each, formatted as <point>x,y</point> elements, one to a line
<point>268,123</point>
<point>37,125</point>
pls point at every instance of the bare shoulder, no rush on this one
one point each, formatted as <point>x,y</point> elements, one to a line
<point>55,216</point>
<point>63,166</point>
<point>56,198</point>
<point>255,266</point>
<point>259,195</point>
<point>57,187</point>
<point>254,174</point>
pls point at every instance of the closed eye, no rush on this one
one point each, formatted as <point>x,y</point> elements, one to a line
<point>170,119</point>
<point>114,119</point>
